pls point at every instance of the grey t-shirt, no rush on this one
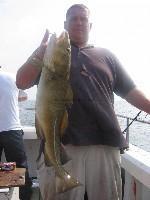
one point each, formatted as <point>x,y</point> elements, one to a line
<point>95,75</point>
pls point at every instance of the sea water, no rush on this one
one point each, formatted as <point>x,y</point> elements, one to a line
<point>139,132</point>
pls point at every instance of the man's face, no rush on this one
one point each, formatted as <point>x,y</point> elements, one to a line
<point>78,26</point>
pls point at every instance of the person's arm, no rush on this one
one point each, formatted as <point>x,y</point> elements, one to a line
<point>29,72</point>
<point>27,75</point>
<point>138,99</point>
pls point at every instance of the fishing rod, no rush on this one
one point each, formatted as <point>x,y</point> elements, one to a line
<point>134,119</point>
<point>127,134</point>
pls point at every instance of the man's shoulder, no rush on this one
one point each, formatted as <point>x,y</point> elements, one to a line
<point>97,50</point>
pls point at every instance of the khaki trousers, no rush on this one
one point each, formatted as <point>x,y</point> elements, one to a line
<point>97,168</point>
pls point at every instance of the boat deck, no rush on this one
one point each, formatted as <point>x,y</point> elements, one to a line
<point>13,194</point>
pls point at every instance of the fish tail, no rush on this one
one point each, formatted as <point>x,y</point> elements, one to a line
<point>65,183</point>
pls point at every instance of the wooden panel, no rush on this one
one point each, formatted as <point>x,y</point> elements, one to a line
<point>12,178</point>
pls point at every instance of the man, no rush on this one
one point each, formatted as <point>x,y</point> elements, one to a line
<point>11,133</point>
<point>93,138</point>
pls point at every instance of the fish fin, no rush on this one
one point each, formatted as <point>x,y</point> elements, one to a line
<point>40,135</point>
<point>63,155</point>
<point>64,123</point>
<point>66,183</point>
<point>46,160</point>
<point>41,149</point>
<point>37,126</point>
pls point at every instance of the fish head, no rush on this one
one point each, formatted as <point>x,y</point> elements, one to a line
<point>62,55</point>
<point>58,54</point>
<point>48,56</point>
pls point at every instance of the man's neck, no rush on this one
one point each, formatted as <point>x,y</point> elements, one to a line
<point>79,45</point>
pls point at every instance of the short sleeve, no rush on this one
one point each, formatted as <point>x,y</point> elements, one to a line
<point>122,81</point>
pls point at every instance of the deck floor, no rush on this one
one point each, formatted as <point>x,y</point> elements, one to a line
<point>13,194</point>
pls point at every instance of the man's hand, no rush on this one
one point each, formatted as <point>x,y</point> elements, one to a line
<point>41,50</point>
<point>28,74</point>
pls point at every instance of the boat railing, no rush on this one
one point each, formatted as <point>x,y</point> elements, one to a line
<point>130,118</point>
<point>128,123</point>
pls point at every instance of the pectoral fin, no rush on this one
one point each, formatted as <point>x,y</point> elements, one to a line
<point>40,135</point>
<point>46,159</point>
<point>63,155</point>
<point>39,131</point>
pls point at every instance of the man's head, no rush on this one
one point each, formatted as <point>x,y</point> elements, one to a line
<point>77,24</point>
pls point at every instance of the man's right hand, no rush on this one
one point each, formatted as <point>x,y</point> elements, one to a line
<point>41,50</point>
<point>28,74</point>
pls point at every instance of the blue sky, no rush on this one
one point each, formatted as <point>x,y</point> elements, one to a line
<point>123,26</point>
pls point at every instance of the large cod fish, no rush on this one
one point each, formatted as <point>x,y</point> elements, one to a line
<point>53,94</point>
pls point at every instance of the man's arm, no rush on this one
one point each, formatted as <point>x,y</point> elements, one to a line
<point>27,76</point>
<point>29,72</point>
<point>138,99</point>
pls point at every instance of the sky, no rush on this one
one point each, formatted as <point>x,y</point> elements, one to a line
<point>122,26</point>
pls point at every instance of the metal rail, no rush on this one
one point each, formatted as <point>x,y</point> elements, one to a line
<point>128,123</point>
<point>130,118</point>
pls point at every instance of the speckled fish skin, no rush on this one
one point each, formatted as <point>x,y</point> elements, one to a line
<point>53,94</point>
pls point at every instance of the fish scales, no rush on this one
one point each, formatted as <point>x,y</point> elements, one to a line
<point>53,94</point>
